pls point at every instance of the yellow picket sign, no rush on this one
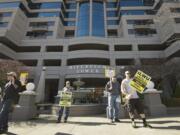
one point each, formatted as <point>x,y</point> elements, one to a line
<point>65,99</point>
<point>140,81</point>
<point>24,77</point>
<point>24,74</point>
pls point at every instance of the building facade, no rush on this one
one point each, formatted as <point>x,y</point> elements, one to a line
<point>79,38</point>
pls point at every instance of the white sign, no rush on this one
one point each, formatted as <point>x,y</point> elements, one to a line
<point>110,73</point>
<point>86,69</point>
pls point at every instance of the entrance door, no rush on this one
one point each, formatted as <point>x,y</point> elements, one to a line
<point>51,90</point>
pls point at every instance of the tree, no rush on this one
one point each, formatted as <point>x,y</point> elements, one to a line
<point>8,66</point>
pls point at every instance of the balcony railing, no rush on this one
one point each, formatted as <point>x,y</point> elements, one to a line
<point>40,28</point>
<point>142,26</point>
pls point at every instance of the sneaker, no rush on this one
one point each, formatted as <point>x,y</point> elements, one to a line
<point>117,120</point>
<point>65,121</point>
<point>111,121</point>
<point>146,125</point>
<point>134,124</point>
<point>58,121</point>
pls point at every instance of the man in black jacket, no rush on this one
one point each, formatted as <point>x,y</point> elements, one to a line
<point>10,97</point>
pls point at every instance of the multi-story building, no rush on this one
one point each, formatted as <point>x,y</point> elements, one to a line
<point>78,38</point>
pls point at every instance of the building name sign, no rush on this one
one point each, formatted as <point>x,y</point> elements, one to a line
<point>86,69</point>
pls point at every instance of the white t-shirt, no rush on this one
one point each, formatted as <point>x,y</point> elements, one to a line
<point>129,89</point>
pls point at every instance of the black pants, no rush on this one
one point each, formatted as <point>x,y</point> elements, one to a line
<point>135,104</point>
<point>5,109</point>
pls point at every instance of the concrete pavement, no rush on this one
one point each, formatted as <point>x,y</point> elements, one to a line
<point>95,125</point>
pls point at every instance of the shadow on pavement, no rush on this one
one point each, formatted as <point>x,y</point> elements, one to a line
<point>9,133</point>
<point>90,123</point>
<point>62,134</point>
<point>168,128</point>
<point>34,122</point>
<point>164,122</point>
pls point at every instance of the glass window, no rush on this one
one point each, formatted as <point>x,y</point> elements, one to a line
<point>130,21</point>
<point>128,3</point>
<point>40,35</point>
<point>145,32</point>
<point>98,19</point>
<point>50,23</point>
<point>50,5</point>
<point>133,12</point>
<point>140,22</point>
<point>3,24</point>
<point>83,21</point>
<point>112,22</point>
<point>71,5</point>
<point>71,15</point>
<point>48,14</point>
<point>177,20</point>
<point>6,14</point>
<point>49,33</point>
<point>111,4</point>
<point>9,4</point>
<point>45,5</point>
<point>111,13</point>
<point>175,10</point>
<point>70,23</point>
<point>131,31</point>
<point>34,24</point>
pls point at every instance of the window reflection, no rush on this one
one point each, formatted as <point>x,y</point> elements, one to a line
<point>9,4</point>
<point>46,5</point>
<point>128,3</point>
<point>98,19</point>
<point>83,21</point>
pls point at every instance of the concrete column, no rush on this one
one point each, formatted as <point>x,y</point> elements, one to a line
<point>105,19</point>
<point>61,82</point>
<point>111,53</point>
<point>40,61</point>
<point>63,61</point>
<point>40,89</point>
<point>90,15</point>
<point>136,54</point>
<point>39,65</point>
<point>64,58</point>
<point>77,18</point>
<point>124,27</point>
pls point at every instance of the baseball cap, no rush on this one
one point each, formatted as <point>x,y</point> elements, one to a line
<point>12,74</point>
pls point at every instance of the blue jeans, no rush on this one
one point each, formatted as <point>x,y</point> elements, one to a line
<point>114,106</point>
<point>5,108</point>
<point>61,110</point>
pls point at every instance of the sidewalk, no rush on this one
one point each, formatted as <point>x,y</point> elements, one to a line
<point>96,125</point>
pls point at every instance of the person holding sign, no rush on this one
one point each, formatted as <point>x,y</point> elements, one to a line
<point>65,108</point>
<point>133,101</point>
<point>113,88</point>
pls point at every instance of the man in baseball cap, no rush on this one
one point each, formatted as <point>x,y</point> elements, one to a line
<point>12,74</point>
<point>10,97</point>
